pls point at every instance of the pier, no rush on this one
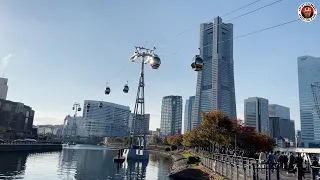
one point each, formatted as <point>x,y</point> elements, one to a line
<point>11,146</point>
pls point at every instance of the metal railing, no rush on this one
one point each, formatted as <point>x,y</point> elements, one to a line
<point>5,142</point>
<point>243,168</point>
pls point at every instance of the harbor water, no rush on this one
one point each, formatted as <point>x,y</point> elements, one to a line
<point>81,162</point>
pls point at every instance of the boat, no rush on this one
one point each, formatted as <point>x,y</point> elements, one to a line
<point>71,143</point>
<point>100,144</point>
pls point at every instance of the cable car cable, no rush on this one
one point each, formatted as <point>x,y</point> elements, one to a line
<point>255,32</point>
<point>192,29</point>
<point>262,7</point>
<point>251,33</point>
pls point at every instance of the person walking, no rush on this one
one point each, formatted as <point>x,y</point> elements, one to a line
<point>299,163</point>
<point>271,159</point>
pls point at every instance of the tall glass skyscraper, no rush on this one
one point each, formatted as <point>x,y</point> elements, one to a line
<point>171,115</point>
<point>215,83</point>
<point>256,113</point>
<point>188,113</point>
<point>309,97</point>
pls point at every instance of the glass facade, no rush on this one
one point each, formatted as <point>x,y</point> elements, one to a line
<point>309,79</point>
<point>276,110</point>
<point>110,120</point>
<point>256,113</point>
<point>171,115</point>
<point>215,83</point>
<point>188,113</point>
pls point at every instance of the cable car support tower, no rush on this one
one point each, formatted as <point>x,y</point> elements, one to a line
<point>137,141</point>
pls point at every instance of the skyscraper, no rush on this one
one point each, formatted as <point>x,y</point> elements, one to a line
<point>256,113</point>
<point>187,114</point>
<point>309,97</point>
<point>215,83</point>
<point>171,115</point>
<point>3,88</point>
<point>276,110</point>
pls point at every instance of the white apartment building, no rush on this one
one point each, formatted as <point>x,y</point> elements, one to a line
<point>108,121</point>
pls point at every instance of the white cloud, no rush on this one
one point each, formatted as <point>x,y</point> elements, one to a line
<point>42,117</point>
<point>240,111</point>
<point>5,61</point>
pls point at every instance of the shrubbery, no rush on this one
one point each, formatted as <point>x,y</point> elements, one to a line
<point>174,147</point>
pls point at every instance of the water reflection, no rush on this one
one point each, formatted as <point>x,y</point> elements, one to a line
<point>12,165</point>
<point>80,164</point>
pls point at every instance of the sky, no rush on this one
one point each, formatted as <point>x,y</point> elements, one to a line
<point>55,53</point>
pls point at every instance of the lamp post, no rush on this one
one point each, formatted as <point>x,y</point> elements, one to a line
<point>76,107</point>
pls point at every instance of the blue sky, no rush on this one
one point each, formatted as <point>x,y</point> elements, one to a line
<point>58,52</point>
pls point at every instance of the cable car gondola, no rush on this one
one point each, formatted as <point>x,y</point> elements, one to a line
<point>155,61</point>
<point>79,108</point>
<point>100,105</point>
<point>108,90</point>
<point>197,63</point>
<point>126,88</point>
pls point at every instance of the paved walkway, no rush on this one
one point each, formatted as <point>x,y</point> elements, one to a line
<point>283,175</point>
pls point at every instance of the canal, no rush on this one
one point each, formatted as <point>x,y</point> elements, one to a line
<point>81,162</point>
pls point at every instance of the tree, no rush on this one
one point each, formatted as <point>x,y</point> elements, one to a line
<point>217,128</point>
<point>175,140</point>
<point>165,141</point>
<point>156,140</point>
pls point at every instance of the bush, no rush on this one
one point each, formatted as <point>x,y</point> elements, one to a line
<point>167,149</point>
<point>174,147</point>
<point>193,160</point>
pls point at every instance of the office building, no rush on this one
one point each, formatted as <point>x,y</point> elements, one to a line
<point>309,97</point>
<point>256,113</point>
<point>108,121</point>
<point>171,115</point>
<point>276,110</point>
<point>281,127</point>
<point>3,88</point>
<point>215,83</point>
<point>188,113</point>
<point>282,131</point>
<point>16,120</point>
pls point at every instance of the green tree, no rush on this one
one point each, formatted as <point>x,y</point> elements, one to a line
<point>156,140</point>
<point>165,141</point>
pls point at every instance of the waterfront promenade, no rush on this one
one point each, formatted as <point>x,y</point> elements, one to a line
<point>243,168</point>
<point>42,146</point>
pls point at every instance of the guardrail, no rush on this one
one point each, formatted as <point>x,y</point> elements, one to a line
<point>243,168</point>
<point>28,142</point>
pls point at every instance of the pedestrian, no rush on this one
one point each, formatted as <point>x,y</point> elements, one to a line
<point>299,163</point>
<point>281,160</point>
<point>285,161</point>
<point>271,160</point>
<point>291,164</point>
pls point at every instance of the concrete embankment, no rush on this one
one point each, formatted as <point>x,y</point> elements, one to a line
<point>180,169</point>
<point>30,147</point>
